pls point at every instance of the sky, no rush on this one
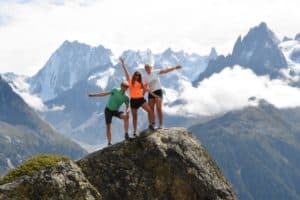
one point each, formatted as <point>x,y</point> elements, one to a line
<point>31,30</point>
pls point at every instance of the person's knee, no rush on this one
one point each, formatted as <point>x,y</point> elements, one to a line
<point>126,117</point>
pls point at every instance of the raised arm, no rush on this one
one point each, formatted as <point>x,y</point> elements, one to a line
<point>169,69</point>
<point>124,68</point>
<point>101,94</point>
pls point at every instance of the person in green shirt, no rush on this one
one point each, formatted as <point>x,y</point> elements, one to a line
<point>116,99</point>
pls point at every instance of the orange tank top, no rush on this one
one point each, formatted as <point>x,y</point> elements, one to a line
<point>135,90</point>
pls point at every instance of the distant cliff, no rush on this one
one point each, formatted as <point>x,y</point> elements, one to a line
<point>165,164</point>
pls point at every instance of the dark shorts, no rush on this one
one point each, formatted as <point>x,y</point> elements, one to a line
<point>109,114</point>
<point>157,92</point>
<point>136,103</point>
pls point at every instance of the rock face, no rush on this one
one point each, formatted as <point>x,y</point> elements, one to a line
<point>165,164</point>
<point>62,182</point>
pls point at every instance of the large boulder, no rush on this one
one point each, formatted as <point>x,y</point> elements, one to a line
<point>165,164</point>
<point>65,181</point>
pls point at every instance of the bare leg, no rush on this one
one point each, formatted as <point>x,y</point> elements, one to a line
<point>151,103</point>
<point>126,123</point>
<point>158,103</point>
<point>134,119</point>
<point>108,133</point>
<point>147,108</point>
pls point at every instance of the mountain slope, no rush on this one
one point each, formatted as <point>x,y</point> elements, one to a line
<point>23,133</point>
<point>257,149</point>
<point>70,63</point>
<point>258,50</point>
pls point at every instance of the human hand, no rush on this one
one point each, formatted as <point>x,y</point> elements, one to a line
<point>121,59</point>
<point>178,67</point>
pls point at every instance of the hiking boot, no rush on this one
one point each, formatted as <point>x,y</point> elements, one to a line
<point>134,134</point>
<point>151,127</point>
<point>127,136</point>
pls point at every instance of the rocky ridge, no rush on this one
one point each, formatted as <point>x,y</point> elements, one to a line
<point>164,164</point>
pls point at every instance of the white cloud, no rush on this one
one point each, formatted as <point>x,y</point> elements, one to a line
<point>36,28</point>
<point>231,89</point>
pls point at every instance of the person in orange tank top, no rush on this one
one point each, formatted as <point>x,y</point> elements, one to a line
<point>137,100</point>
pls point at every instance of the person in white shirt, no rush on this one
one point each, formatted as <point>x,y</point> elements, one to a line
<point>155,95</point>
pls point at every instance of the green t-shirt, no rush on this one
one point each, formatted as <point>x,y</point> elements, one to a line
<point>116,99</point>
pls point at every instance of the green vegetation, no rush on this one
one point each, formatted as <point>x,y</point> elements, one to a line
<point>42,161</point>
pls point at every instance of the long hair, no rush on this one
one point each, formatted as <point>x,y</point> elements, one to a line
<point>140,80</point>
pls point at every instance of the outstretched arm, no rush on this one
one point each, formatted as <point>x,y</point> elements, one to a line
<point>169,69</point>
<point>101,94</point>
<point>124,68</point>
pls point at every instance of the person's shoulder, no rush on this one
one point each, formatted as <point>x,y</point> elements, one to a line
<point>114,89</point>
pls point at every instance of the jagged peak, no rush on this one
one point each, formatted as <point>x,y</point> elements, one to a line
<point>69,44</point>
<point>168,51</point>
<point>286,38</point>
<point>213,53</point>
<point>237,44</point>
<point>264,31</point>
<point>263,25</point>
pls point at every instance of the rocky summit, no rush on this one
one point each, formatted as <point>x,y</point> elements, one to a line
<point>163,164</point>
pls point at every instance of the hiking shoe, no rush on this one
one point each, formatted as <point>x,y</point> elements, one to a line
<point>126,136</point>
<point>151,127</point>
<point>134,134</point>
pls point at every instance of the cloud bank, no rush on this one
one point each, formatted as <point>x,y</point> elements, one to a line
<point>32,30</point>
<point>231,89</point>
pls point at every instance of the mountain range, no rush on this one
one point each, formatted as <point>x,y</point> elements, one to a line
<point>256,147</point>
<point>24,134</point>
<point>258,50</point>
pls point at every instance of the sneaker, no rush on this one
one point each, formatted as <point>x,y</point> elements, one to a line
<point>134,134</point>
<point>151,127</point>
<point>160,127</point>
<point>109,144</point>
<point>126,136</point>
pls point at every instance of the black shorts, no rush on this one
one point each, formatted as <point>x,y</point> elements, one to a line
<point>157,92</point>
<point>136,103</point>
<point>110,113</point>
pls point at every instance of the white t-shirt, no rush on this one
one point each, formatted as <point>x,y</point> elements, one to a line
<point>153,80</point>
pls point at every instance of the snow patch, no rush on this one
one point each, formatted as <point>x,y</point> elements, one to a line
<point>8,138</point>
<point>102,78</point>
<point>9,163</point>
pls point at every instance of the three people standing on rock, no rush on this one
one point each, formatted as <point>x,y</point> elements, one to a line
<point>137,90</point>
